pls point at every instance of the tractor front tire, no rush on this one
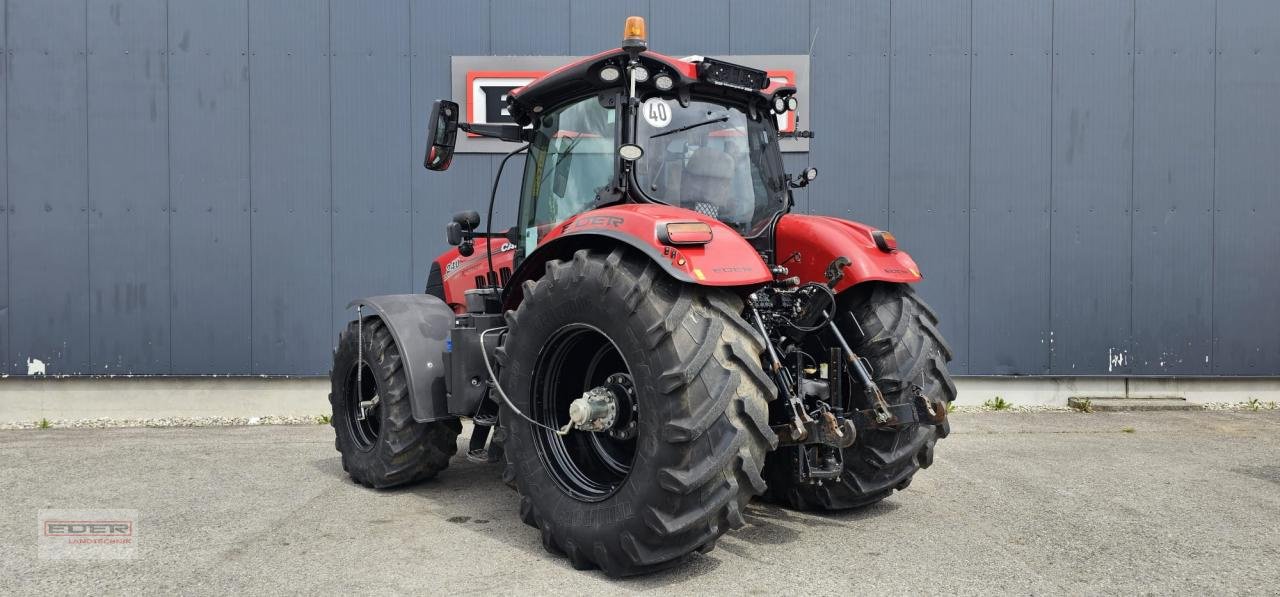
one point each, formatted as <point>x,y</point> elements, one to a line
<point>700,400</point>
<point>387,447</point>
<point>905,349</point>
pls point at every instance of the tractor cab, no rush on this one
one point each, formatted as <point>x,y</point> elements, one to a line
<point>633,126</point>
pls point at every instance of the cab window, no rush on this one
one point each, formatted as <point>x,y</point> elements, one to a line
<point>570,161</point>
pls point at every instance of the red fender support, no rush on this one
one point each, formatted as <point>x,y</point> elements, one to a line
<point>810,246</point>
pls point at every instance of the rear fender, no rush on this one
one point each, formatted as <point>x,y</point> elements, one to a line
<point>811,248</point>
<point>420,325</point>
<point>727,261</point>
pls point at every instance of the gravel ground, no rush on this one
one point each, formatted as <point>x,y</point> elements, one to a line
<point>323,419</point>
<point>1015,503</point>
<point>104,422</point>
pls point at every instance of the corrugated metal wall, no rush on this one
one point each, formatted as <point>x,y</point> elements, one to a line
<point>199,186</point>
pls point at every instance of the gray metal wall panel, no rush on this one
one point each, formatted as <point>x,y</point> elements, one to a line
<point>48,225</point>
<point>529,28</point>
<point>4,200</point>
<point>438,195</point>
<point>681,28</point>
<point>784,31</point>
<point>850,90</point>
<point>1173,187</point>
<point>1009,276</point>
<point>372,152</point>
<point>596,25</point>
<point>128,187</point>
<point>1092,186</point>
<point>290,172</point>
<point>516,31</point>
<point>1049,272</point>
<point>1246,311</point>
<point>769,27</point>
<point>929,155</point>
<point>209,186</point>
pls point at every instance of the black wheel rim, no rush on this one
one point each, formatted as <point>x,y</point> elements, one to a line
<point>363,386</point>
<point>589,466</point>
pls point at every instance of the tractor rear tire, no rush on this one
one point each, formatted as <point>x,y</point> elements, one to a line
<point>904,349</point>
<point>387,448</point>
<point>701,403</point>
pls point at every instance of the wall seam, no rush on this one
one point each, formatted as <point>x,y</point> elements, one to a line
<point>168,156</point>
<point>1053,26</point>
<point>1213,204</point>
<point>248,63</point>
<point>413,252</point>
<point>888,146</point>
<point>808,155</point>
<point>968,323</point>
<point>333,219</point>
<point>1133,152</point>
<point>88,199</point>
<point>8,227</point>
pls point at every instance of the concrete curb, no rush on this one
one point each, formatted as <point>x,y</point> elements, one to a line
<point>140,398</point>
<point>78,398</point>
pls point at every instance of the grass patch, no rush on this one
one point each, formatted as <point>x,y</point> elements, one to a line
<point>44,424</point>
<point>323,420</point>
<point>996,403</point>
<point>1084,406</point>
<point>951,407</point>
<point>1253,404</point>
<point>1129,430</point>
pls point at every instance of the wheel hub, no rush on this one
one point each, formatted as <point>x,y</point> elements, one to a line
<point>610,407</point>
<point>596,410</point>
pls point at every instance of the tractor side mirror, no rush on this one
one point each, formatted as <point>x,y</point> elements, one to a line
<point>442,133</point>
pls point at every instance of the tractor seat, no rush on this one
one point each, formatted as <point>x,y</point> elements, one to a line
<point>706,182</point>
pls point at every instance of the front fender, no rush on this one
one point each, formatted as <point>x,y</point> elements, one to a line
<point>809,246</point>
<point>420,325</point>
<point>728,260</point>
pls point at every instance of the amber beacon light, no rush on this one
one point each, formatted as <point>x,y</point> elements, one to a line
<point>633,33</point>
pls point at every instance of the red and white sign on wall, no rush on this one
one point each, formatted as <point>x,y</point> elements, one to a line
<point>481,85</point>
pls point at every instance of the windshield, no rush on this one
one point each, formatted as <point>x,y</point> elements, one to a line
<point>711,158</point>
<point>571,160</point>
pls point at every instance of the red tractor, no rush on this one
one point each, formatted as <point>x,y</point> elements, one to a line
<point>657,339</point>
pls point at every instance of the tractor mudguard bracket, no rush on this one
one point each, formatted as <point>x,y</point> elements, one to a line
<point>420,325</point>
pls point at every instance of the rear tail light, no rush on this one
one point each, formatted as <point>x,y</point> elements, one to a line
<point>685,233</point>
<point>885,241</point>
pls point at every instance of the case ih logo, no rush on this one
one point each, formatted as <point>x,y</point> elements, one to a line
<point>481,85</point>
